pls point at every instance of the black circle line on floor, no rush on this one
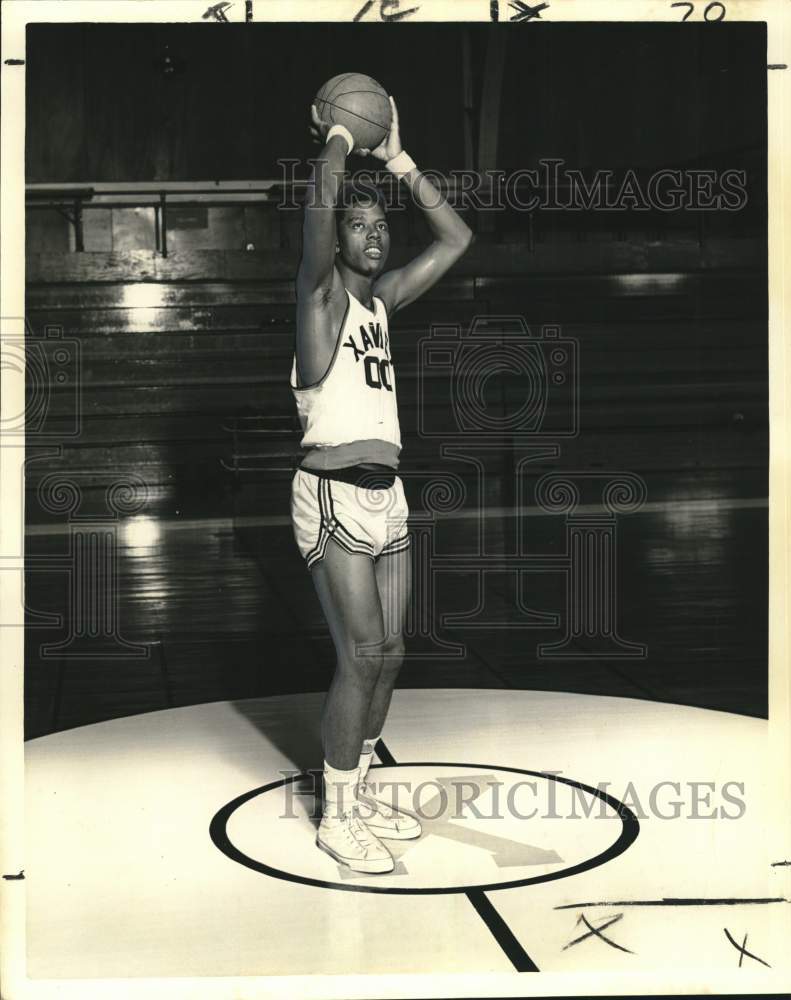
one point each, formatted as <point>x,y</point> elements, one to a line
<point>218,831</point>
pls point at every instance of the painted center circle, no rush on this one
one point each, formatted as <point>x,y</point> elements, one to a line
<point>484,827</point>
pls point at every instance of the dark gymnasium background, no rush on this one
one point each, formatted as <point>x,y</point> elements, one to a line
<point>180,313</point>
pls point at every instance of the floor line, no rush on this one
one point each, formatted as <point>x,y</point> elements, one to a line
<point>281,520</point>
<point>670,901</point>
<point>501,932</point>
<point>384,754</point>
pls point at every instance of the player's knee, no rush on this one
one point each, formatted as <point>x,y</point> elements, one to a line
<point>393,654</point>
<point>365,662</point>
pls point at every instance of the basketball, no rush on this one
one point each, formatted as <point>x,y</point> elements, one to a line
<point>360,104</point>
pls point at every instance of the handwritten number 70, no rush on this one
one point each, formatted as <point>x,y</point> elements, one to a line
<point>714,11</point>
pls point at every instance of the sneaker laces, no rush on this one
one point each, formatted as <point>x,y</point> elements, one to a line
<point>353,829</point>
<point>358,828</point>
<point>378,806</point>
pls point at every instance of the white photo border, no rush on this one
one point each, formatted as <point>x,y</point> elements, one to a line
<point>16,15</point>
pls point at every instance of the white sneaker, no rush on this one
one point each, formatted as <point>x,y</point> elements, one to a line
<point>347,839</point>
<point>383,820</point>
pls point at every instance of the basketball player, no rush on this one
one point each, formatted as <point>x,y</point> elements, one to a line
<point>348,507</point>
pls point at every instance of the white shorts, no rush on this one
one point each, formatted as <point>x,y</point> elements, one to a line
<point>372,522</point>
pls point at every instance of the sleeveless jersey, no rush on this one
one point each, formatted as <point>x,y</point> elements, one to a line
<point>355,400</point>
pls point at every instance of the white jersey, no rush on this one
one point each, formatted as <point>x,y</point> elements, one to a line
<point>355,400</point>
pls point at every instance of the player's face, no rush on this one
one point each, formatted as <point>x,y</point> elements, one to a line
<point>364,239</point>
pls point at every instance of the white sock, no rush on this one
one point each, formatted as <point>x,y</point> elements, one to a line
<point>340,790</point>
<point>366,756</point>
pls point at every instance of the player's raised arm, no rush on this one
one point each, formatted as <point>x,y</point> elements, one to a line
<point>451,233</point>
<point>318,233</point>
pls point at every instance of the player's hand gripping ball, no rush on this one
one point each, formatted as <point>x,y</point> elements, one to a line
<point>358,103</point>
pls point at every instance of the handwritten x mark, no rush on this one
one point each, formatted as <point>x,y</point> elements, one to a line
<point>597,932</point>
<point>524,12</point>
<point>742,949</point>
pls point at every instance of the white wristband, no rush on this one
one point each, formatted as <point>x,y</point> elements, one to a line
<point>342,131</point>
<point>401,164</point>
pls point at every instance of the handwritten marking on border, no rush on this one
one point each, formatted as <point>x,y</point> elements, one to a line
<point>715,4</point>
<point>742,949</point>
<point>217,11</point>
<point>524,12</point>
<point>389,10</point>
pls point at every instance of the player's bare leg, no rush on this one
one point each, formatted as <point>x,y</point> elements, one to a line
<point>347,589</point>
<point>394,582</point>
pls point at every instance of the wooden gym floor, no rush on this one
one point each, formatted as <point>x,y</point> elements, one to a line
<point>229,613</point>
<point>166,776</point>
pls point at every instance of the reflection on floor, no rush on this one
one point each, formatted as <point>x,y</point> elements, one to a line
<point>216,611</point>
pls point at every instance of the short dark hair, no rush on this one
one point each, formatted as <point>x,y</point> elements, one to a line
<point>359,192</point>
